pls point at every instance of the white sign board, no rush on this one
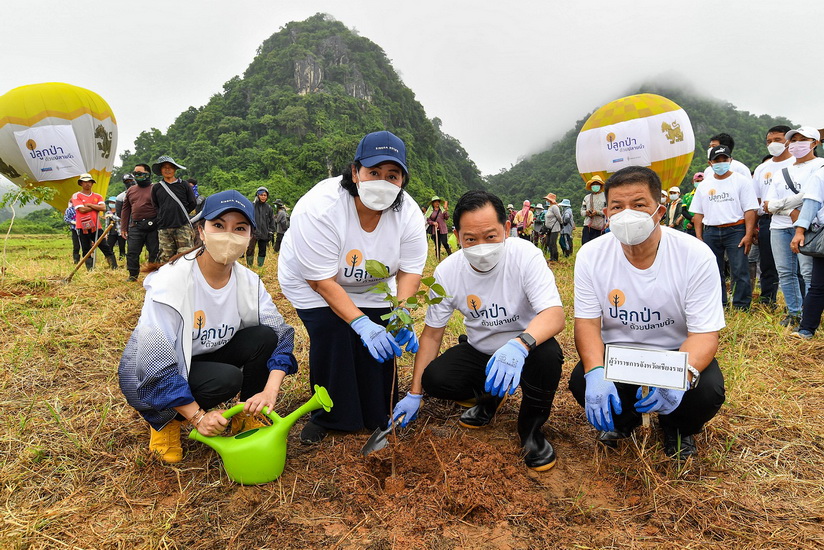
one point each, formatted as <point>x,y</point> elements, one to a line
<point>646,367</point>
<point>51,152</point>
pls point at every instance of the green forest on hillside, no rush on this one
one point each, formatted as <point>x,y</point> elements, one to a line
<point>313,90</point>
<point>555,168</point>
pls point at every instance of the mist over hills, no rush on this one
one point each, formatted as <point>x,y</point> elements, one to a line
<point>316,87</point>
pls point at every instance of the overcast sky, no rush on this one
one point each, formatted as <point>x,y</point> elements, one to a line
<point>506,78</point>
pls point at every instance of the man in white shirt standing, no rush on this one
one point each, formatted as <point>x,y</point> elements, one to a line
<point>726,205</point>
<point>512,313</point>
<point>735,165</point>
<point>646,286</point>
<point>763,178</point>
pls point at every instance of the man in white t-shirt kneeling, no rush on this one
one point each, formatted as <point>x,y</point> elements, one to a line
<point>646,286</point>
<point>512,313</point>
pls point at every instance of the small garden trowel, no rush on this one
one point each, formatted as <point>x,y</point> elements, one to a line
<point>380,437</point>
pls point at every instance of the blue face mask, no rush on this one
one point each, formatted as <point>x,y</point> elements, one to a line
<point>721,168</point>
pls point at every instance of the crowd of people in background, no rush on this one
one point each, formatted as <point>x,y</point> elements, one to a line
<point>156,217</point>
<point>752,225</point>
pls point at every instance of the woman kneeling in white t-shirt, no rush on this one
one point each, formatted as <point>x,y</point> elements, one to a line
<point>336,227</point>
<point>239,341</point>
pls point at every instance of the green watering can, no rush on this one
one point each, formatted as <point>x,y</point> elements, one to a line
<point>258,456</point>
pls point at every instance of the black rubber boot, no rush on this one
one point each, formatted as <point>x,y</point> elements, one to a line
<point>535,407</point>
<point>482,413</point>
<point>250,260</point>
<point>112,261</point>
<point>76,258</point>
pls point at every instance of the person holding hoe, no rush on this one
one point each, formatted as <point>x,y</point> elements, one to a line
<point>208,330</point>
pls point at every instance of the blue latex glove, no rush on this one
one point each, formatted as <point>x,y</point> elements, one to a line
<point>406,335</point>
<point>503,371</point>
<point>599,395</point>
<point>660,400</point>
<point>408,406</point>
<point>380,343</point>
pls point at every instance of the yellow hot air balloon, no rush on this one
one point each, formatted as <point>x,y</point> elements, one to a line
<point>51,133</point>
<point>638,130</point>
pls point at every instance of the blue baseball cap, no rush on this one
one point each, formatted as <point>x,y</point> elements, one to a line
<point>379,147</point>
<point>217,204</point>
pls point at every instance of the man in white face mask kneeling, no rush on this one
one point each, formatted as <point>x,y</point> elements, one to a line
<point>646,286</point>
<point>512,312</point>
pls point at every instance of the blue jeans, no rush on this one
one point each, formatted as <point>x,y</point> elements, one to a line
<point>726,239</point>
<point>787,263</point>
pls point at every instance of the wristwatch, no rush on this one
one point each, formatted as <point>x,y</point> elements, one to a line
<point>696,376</point>
<point>528,340</point>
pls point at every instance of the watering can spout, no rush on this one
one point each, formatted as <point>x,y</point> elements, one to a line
<point>321,399</point>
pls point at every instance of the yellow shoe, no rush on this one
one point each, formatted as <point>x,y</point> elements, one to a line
<point>243,422</point>
<point>166,442</point>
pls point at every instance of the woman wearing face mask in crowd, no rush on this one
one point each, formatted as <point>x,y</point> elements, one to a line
<point>801,145</point>
<point>208,330</point>
<point>337,226</point>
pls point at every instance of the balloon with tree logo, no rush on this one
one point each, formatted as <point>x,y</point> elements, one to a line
<point>638,130</point>
<point>50,133</point>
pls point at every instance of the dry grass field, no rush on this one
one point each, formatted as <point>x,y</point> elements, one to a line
<point>75,471</point>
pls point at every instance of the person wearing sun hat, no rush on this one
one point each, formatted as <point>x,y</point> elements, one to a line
<point>436,222</point>
<point>239,341</point>
<point>592,210</point>
<point>174,200</point>
<point>336,227</point>
<point>88,205</point>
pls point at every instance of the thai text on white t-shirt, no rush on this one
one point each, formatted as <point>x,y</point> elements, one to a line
<point>216,317</point>
<point>499,304</point>
<point>724,201</point>
<point>654,307</point>
<point>326,240</point>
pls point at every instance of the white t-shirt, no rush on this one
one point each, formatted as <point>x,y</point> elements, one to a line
<point>325,240</point>
<point>724,201</point>
<point>499,304</point>
<point>653,307</point>
<point>735,165</point>
<point>799,173</point>
<point>216,318</point>
<point>814,189</point>
<point>764,175</point>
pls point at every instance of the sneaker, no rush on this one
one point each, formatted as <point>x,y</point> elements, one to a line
<point>677,446</point>
<point>165,444</point>
<point>131,279</point>
<point>790,321</point>
<point>312,434</point>
<point>804,334</point>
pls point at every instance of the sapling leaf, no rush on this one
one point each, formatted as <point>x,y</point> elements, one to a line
<point>376,269</point>
<point>405,318</point>
<point>428,281</point>
<point>438,289</point>
<point>436,300</point>
<point>386,316</point>
<point>412,301</point>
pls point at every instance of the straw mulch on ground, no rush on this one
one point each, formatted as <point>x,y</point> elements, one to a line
<point>76,472</point>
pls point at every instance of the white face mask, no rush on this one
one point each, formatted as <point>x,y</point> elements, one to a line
<point>377,195</point>
<point>632,227</point>
<point>225,247</point>
<point>484,257</point>
<point>776,148</point>
<point>674,196</point>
